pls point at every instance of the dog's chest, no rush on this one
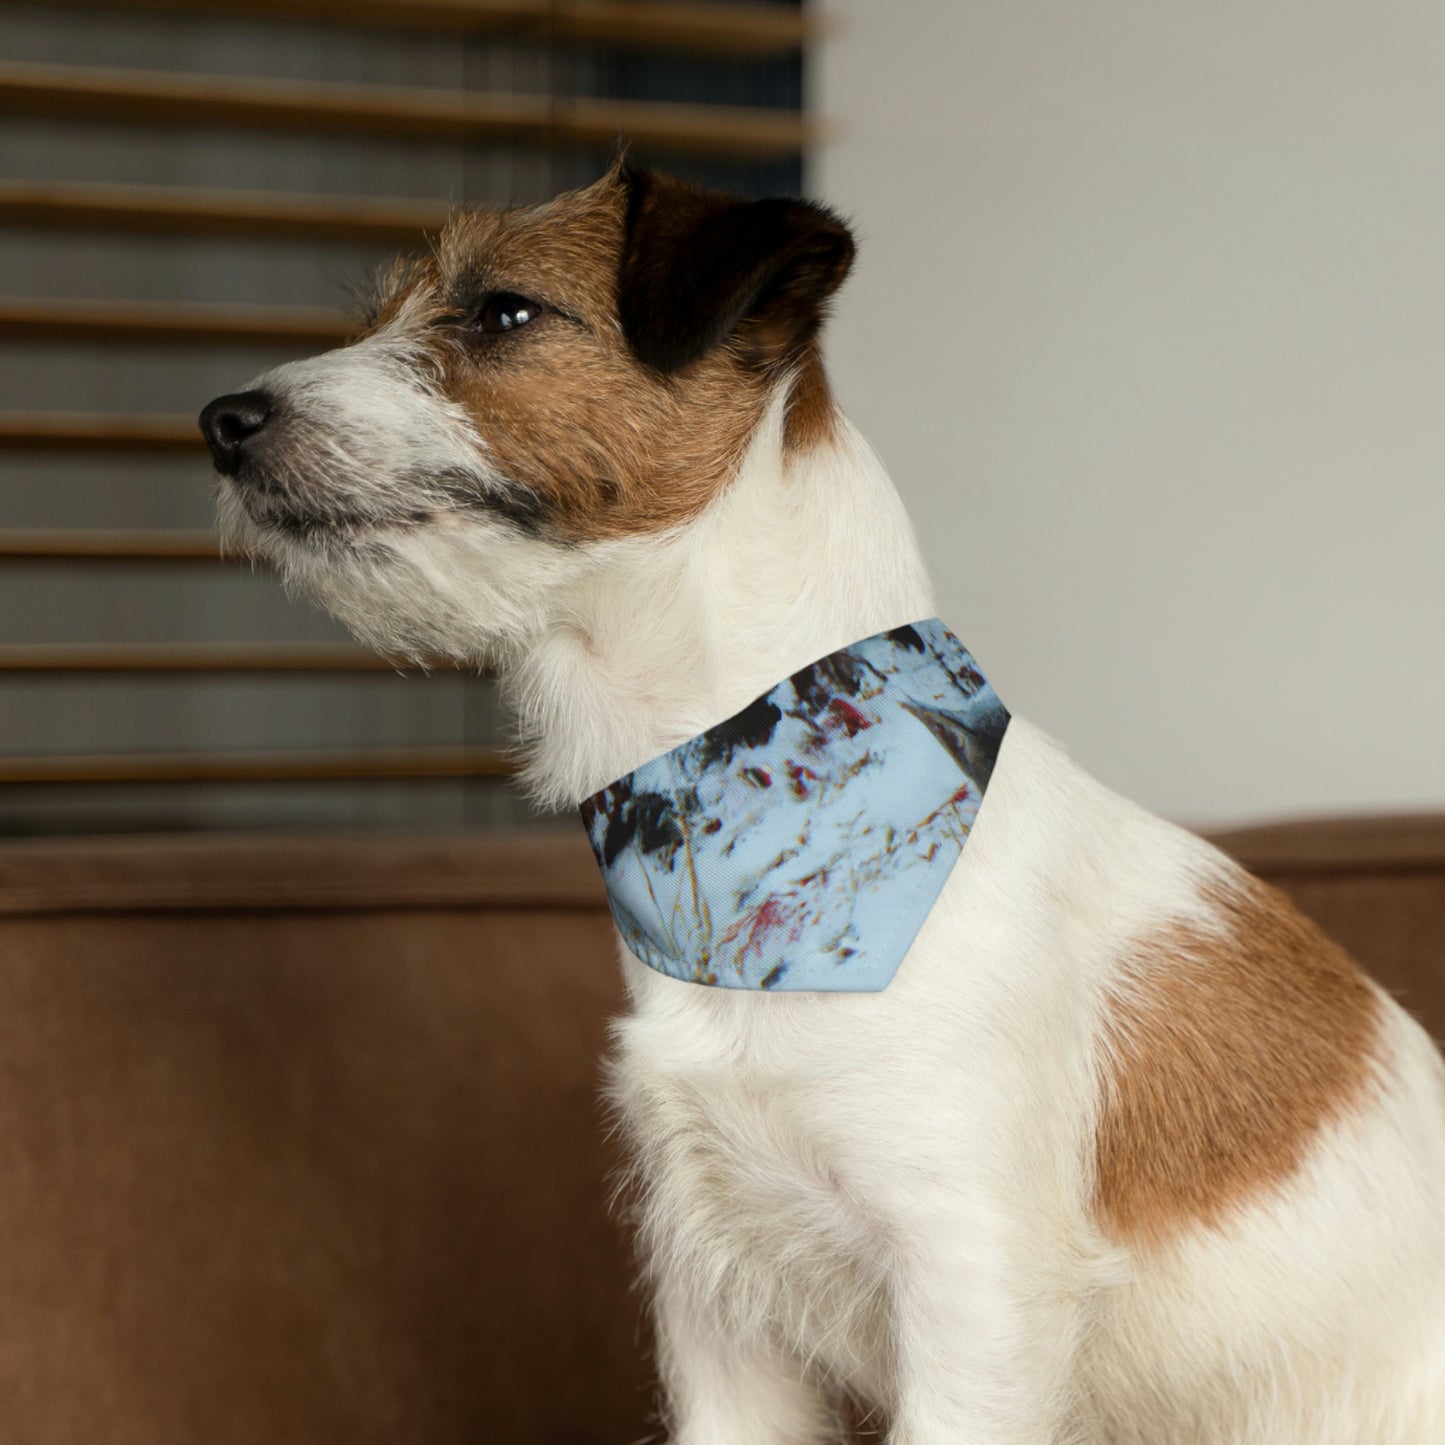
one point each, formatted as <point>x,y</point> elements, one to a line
<point>749,1184</point>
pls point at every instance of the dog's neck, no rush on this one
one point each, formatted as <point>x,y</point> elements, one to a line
<point>804,553</point>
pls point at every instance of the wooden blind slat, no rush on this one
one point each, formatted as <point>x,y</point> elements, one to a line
<point>93,431</point>
<point>181,657</point>
<point>160,98</point>
<point>168,323</point>
<point>753,31</point>
<point>107,546</point>
<point>705,29</point>
<point>172,210</point>
<point>358,765</point>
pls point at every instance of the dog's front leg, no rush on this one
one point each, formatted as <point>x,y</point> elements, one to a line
<point>721,1387</point>
<point>985,1346</point>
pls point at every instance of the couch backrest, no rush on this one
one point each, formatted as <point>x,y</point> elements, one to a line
<point>299,1142</point>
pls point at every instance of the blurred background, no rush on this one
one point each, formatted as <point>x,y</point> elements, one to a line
<point>1149,324</point>
<point>301,1004</point>
<point>1146,323</point>
<point>190,193</point>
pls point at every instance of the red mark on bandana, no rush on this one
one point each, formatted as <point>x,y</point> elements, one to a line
<point>843,716</point>
<point>769,926</point>
<point>800,777</point>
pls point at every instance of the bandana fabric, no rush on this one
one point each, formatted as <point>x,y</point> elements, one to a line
<point>801,843</point>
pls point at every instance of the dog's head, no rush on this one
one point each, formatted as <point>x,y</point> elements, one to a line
<point>546,383</point>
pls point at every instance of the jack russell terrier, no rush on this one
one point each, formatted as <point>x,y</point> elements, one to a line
<point>1022,1119</point>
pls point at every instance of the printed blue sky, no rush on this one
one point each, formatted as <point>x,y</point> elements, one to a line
<point>801,845</point>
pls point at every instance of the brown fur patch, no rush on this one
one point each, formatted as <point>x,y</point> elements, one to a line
<point>597,443</point>
<point>1228,1051</point>
<point>812,413</point>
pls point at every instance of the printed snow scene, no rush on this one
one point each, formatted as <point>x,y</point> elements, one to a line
<point>800,844</point>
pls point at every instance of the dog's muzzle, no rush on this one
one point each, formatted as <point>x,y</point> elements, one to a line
<point>231,424</point>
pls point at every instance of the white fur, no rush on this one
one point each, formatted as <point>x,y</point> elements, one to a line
<point>889,1194</point>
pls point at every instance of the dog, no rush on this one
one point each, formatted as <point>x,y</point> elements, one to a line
<point>1126,1152</point>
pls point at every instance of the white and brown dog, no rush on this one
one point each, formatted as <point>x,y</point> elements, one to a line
<point>1127,1152</point>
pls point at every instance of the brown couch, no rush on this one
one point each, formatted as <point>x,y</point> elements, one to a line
<point>299,1141</point>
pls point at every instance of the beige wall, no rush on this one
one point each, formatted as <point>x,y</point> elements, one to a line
<point>1149,324</point>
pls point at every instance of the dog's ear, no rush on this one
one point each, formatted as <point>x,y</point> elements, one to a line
<point>699,266</point>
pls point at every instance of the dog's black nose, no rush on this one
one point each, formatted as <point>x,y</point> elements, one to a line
<point>229,422</point>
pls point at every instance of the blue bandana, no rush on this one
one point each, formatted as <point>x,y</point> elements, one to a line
<point>801,843</point>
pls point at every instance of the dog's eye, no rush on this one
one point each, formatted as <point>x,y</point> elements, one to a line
<point>505,311</point>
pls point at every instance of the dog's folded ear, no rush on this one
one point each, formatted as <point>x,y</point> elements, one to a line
<point>699,267</point>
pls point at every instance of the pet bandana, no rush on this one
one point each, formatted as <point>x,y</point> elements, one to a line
<point>801,843</point>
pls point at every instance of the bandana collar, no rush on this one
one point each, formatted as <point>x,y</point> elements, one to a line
<point>801,843</point>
